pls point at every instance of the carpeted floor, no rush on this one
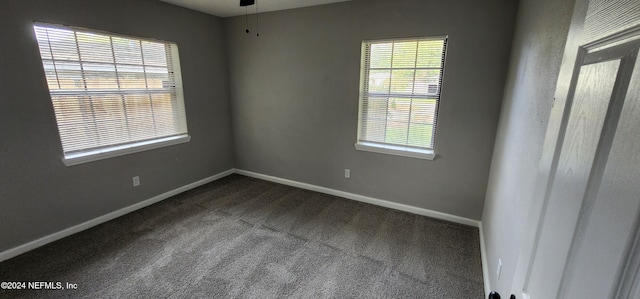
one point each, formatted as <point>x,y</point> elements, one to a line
<point>240,237</point>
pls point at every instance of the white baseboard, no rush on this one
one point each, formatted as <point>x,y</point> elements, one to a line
<point>7,254</point>
<point>362,198</point>
<point>485,265</point>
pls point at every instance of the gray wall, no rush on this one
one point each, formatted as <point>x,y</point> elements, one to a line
<point>539,41</point>
<point>38,194</point>
<point>294,94</point>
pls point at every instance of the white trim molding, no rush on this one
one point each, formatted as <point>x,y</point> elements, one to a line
<point>121,150</point>
<point>7,254</point>
<point>485,263</point>
<point>398,150</point>
<point>362,198</point>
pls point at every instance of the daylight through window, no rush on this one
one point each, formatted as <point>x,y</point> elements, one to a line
<point>400,93</point>
<point>112,93</point>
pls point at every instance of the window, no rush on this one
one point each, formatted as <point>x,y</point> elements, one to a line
<point>111,94</point>
<point>400,89</point>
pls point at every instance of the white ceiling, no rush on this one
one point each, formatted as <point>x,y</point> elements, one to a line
<point>228,8</point>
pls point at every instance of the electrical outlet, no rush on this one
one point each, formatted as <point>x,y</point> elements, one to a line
<point>347,173</point>
<point>499,271</point>
<point>136,181</point>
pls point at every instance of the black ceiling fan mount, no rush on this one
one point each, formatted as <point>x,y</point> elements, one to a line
<point>247,2</point>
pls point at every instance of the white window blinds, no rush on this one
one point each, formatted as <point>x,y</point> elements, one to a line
<point>400,91</point>
<point>109,90</point>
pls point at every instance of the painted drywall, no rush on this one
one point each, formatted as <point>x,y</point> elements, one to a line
<point>536,56</point>
<point>295,90</point>
<point>38,194</point>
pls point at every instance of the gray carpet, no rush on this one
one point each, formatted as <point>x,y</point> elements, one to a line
<point>240,237</point>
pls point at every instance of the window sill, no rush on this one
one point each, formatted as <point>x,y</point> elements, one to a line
<point>121,150</point>
<point>396,150</point>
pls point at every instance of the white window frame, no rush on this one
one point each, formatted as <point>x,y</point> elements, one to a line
<point>390,148</point>
<point>79,156</point>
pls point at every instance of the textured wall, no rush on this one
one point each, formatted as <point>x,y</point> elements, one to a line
<point>295,88</point>
<point>38,194</point>
<point>539,41</point>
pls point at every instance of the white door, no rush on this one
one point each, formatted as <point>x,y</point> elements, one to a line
<point>586,239</point>
<point>591,219</point>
